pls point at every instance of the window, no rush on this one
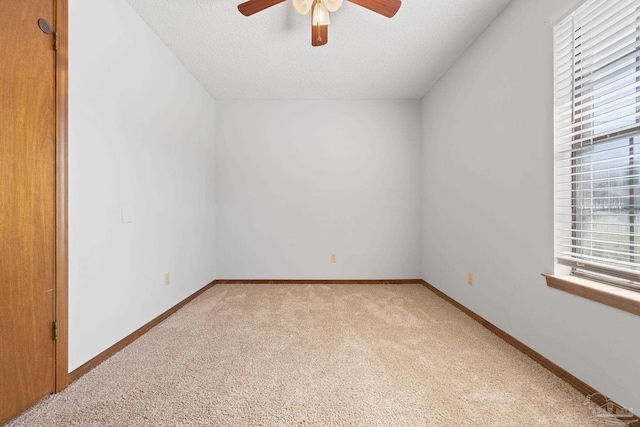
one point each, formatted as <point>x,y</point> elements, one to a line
<point>597,141</point>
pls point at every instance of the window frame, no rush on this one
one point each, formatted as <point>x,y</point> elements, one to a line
<point>601,280</point>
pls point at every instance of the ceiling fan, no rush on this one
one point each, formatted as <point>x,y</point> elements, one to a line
<point>320,12</point>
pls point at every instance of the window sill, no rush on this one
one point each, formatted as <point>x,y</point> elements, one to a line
<point>623,299</point>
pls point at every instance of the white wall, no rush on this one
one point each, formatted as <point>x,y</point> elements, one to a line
<point>299,180</point>
<point>141,135</point>
<point>488,203</point>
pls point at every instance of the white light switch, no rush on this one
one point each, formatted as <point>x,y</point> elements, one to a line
<point>127,215</point>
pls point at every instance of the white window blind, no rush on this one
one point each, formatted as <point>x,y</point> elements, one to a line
<point>597,141</point>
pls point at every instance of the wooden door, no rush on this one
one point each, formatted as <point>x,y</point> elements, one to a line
<point>27,204</point>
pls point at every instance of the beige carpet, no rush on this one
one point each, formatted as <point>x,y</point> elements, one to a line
<point>316,355</point>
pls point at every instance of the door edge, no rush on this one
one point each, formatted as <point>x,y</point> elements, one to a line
<point>61,274</point>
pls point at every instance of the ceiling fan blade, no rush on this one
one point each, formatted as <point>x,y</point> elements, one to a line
<point>250,7</point>
<point>319,35</point>
<point>386,8</point>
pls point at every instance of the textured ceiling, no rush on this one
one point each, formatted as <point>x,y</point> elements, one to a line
<point>269,55</point>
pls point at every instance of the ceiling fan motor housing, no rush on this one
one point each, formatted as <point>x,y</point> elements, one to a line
<point>304,6</point>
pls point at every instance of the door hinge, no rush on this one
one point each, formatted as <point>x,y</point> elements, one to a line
<point>55,41</point>
<point>55,330</point>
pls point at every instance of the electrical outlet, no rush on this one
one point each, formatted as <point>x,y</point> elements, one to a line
<point>470,278</point>
<point>167,279</point>
<point>334,258</point>
<point>126,215</point>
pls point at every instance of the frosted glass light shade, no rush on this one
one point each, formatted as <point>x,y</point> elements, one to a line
<point>320,14</point>
<point>333,5</point>
<point>303,6</point>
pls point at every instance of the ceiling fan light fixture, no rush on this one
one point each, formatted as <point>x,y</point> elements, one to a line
<point>320,14</point>
<point>333,5</point>
<point>303,6</point>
